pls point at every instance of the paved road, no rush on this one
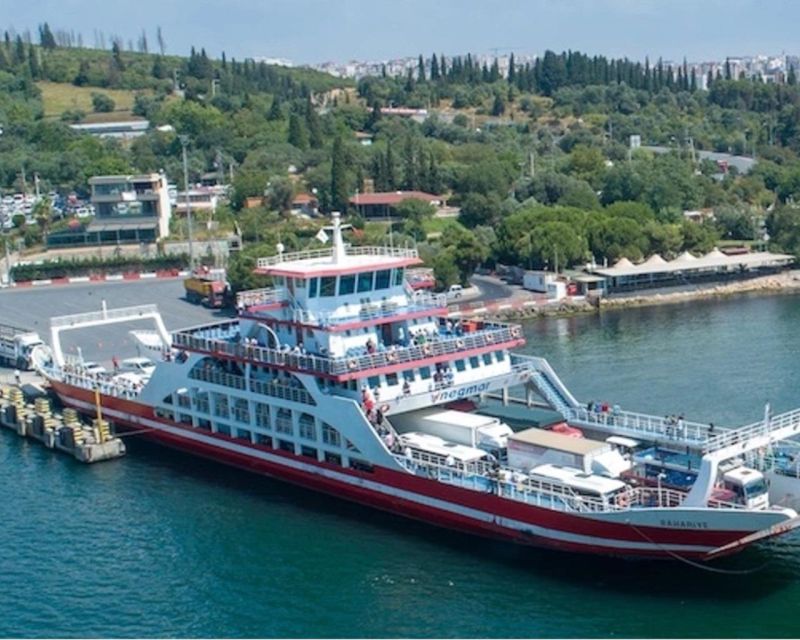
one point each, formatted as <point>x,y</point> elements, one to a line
<point>33,307</point>
<point>491,289</point>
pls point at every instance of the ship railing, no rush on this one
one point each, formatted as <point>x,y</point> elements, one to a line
<point>218,377</point>
<point>483,476</point>
<point>763,428</point>
<point>258,297</point>
<point>491,335</point>
<point>670,429</point>
<point>365,312</point>
<point>102,382</point>
<point>311,254</point>
<point>106,314</point>
<point>252,352</point>
<point>282,391</point>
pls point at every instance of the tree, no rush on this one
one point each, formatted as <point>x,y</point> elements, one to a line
<point>102,103</point>
<point>162,45</point>
<point>315,138</point>
<point>46,38</point>
<point>298,134</point>
<point>43,214</point>
<point>275,110</point>
<point>339,191</point>
<point>116,56</point>
<point>414,213</point>
<point>82,78</point>
<point>444,269</point>
<point>499,105</point>
<point>479,209</point>
<point>410,174</point>
<point>467,252</point>
<point>280,194</point>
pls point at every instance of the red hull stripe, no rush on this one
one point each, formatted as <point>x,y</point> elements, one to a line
<point>417,497</point>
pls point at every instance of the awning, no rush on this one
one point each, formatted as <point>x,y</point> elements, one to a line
<point>141,225</point>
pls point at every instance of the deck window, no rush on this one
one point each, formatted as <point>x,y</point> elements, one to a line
<point>313,287</point>
<point>300,283</point>
<point>361,465</point>
<point>487,358</point>
<point>308,430</point>
<point>264,441</point>
<point>383,279</point>
<point>331,436</point>
<point>373,381</point>
<point>425,373</point>
<point>223,428</point>
<point>474,362</point>
<point>499,356</point>
<point>243,434</point>
<point>285,445</point>
<point>398,277</point>
<point>309,452</point>
<point>328,287</point>
<point>391,379</point>
<point>460,365</point>
<point>204,424</point>
<point>333,458</point>
<point>408,374</point>
<point>347,285</point>
<point>365,282</point>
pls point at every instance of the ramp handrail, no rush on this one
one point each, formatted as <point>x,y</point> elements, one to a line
<point>106,314</point>
<point>762,428</point>
<point>679,430</point>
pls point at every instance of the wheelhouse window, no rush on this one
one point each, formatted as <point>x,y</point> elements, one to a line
<point>425,373</point>
<point>328,287</point>
<point>313,287</point>
<point>365,282</point>
<point>398,277</point>
<point>300,283</point>
<point>383,279</point>
<point>487,358</point>
<point>347,285</point>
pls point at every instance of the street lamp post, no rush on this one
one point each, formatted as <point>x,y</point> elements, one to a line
<point>184,142</point>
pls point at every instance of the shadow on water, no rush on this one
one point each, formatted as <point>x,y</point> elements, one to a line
<point>756,573</point>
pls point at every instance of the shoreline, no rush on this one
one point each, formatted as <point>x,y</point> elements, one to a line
<point>782,283</point>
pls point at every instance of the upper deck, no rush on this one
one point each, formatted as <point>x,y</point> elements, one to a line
<point>336,260</point>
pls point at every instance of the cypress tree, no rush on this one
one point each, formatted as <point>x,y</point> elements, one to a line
<point>791,78</point>
<point>315,138</point>
<point>512,72</point>
<point>275,111</point>
<point>421,69</point>
<point>338,175</point>
<point>298,134</point>
<point>434,68</point>
<point>410,174</point>
<point>390,172</point>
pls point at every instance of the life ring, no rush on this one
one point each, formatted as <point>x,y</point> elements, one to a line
<point>623,502</point>
<point>391,357</point>
<point>515,332</point>
<point>460,343</point>
<point>352,364</point>
<point>489,338</point>
<point>426,349</point>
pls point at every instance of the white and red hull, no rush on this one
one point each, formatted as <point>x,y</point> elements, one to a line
<point>646,533</point>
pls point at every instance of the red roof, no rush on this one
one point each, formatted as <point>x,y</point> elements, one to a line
<point>393,197</point>
<point>304,198</point>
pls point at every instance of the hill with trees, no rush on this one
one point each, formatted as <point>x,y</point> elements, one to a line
<point>536,158</point>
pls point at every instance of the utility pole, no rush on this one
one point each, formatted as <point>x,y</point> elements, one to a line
<point>184,141</point>
<point>36,184</point>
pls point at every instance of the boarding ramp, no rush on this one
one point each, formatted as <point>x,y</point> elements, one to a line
<point>103,317</point>
<point>547,383</point>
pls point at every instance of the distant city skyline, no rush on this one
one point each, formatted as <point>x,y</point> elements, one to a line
<point>315,31</point>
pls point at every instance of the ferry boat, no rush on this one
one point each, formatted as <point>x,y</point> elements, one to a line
<point>338,379</point>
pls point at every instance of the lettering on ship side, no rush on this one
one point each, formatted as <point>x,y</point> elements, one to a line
<point>684,524</point>
<point>457,394</point>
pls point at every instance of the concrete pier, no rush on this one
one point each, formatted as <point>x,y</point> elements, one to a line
<point>65,431</point>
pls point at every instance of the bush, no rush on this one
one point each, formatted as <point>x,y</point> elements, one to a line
<point>101,103</point>
<point>96,266</point>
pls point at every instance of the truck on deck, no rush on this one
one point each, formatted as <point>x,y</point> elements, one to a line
<point>17,345</point>
<point>468,429</point>
<point>534,447</point>
<point>208,288</point>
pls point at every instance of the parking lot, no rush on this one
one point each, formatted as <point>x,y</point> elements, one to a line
<point>32,308</point>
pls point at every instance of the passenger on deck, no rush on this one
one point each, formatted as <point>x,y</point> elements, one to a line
<point>401,336</point>
<point>406,388</point>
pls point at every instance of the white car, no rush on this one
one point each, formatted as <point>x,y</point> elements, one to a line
<point>140,365</point>
<point>455,291</point>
